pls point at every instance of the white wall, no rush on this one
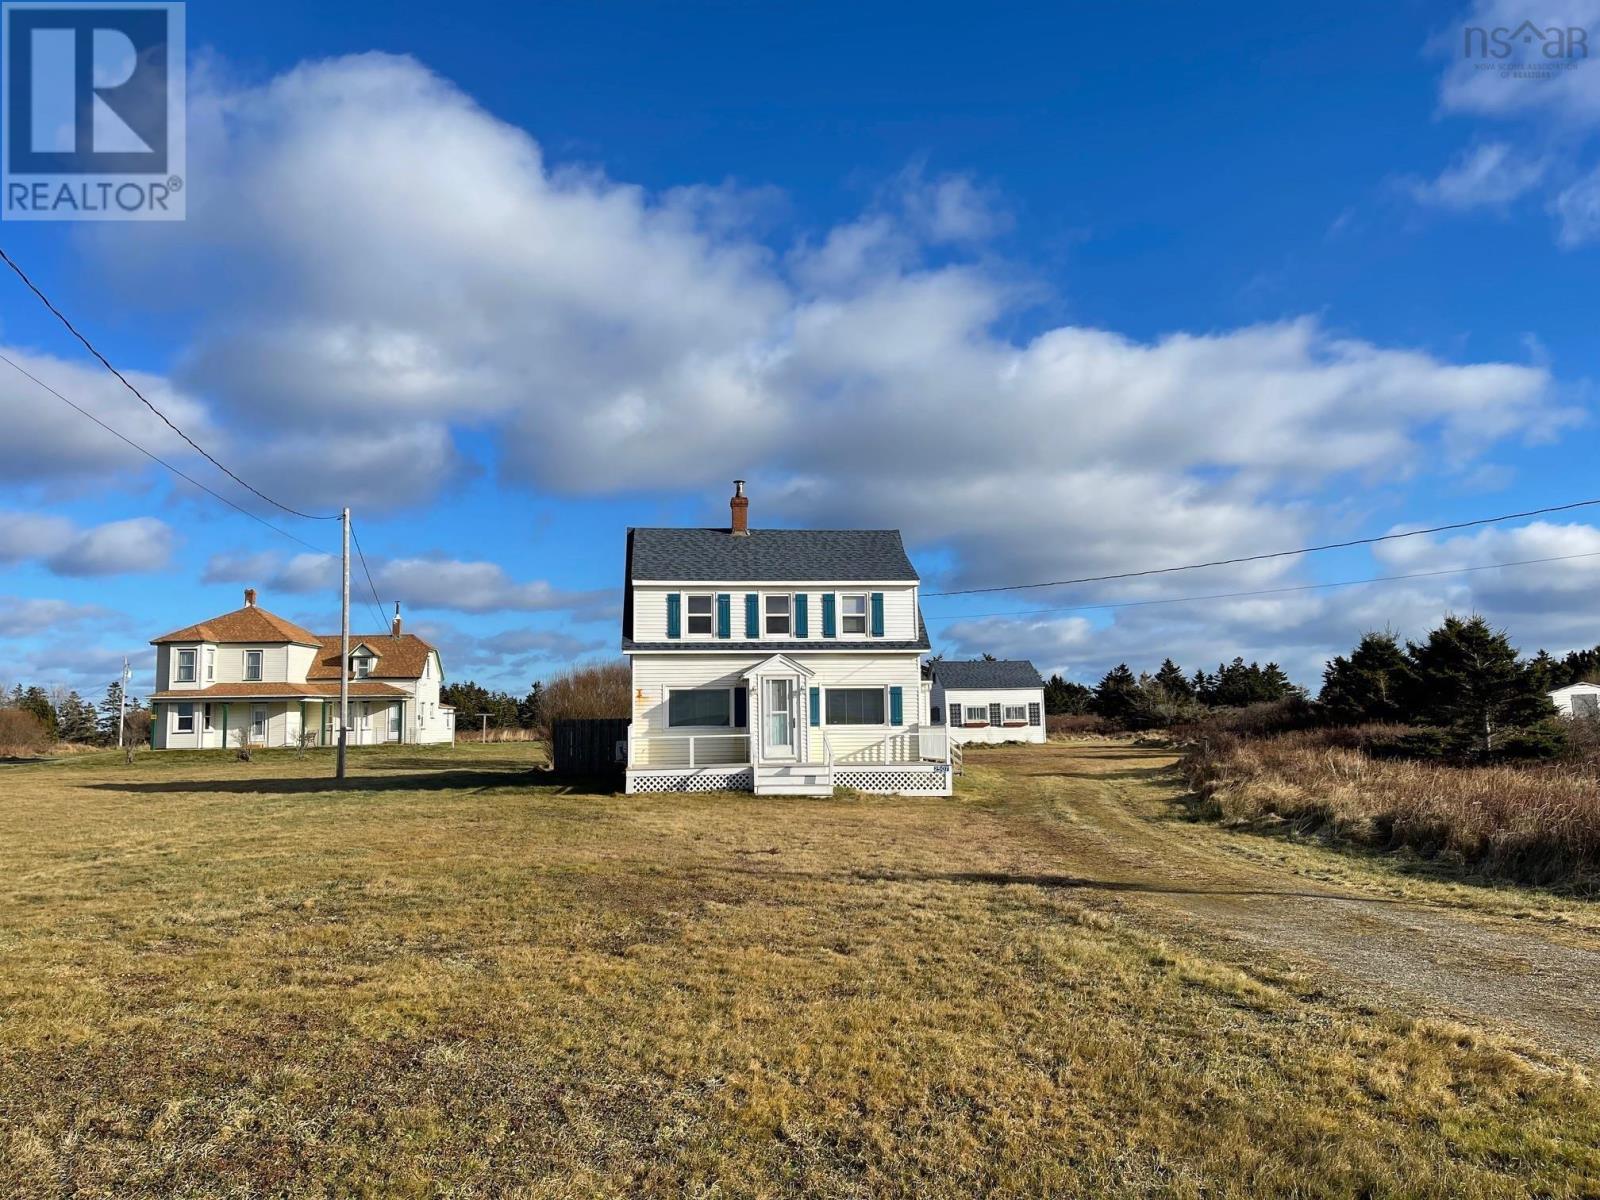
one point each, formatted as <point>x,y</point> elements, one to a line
<point>1563,698</point>
<point>983,698</point>
<point>650,612</point>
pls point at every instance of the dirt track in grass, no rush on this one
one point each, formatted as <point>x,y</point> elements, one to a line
<point>1110,820</point>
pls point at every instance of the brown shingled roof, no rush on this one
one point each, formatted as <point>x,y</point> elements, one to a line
<point>248,624</point>
<point>398,657</point>
<point>264,691</point>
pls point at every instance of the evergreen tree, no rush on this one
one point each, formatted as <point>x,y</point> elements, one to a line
<point>530,710</point>
<point>1580,666</point>
<point>1203,687</point>
<point>1063,698</point>
<point>1117,695</point>
<point>1172,679</point>
<point>1469,680</point>
<point>110,707</point>
<point>35,701</point>
<point>77,720</point>
<point>1547,671</point>
<point>1375,683</point>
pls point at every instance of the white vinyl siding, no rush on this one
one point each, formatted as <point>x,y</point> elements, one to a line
<point>650,610</point>
<point>980,706</point>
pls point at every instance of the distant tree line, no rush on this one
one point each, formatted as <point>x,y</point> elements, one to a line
<point>34,718</point>
<point>1168,696</point>
<point>1463,689</point>
<point>601,690</point>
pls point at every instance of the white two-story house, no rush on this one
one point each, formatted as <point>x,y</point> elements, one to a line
<point>252,674</point>
<point>778,661</point>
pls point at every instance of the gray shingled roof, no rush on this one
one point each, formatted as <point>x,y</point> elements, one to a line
<point>823,555</point>
<point>1016,673</point>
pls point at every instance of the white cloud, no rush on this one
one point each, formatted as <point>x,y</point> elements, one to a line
<point>46,440</point>
<point>475,587</point>
<point>1490,175</point>
<point>27,616</point>
<point>117,547</point>
<point>1577,208</point>
<point>611,342</point>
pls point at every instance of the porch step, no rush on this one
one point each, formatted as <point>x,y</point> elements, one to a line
<point>794,779</point>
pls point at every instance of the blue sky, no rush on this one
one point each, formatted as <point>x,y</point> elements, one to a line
<point>1062,292</point>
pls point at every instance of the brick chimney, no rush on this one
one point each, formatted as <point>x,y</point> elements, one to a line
<point>249,597</point>
<point>396,626</point>
<point>739,509</point>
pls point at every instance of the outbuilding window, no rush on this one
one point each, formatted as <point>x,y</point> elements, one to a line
<point>977,714</point>
<point>1017,713</point>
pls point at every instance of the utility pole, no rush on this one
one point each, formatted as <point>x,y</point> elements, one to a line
<point>344,641</point>
<point>122,701</point>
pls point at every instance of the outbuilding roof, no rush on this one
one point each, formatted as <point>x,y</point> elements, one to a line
<point>987,673</point>
<point>770,555</point>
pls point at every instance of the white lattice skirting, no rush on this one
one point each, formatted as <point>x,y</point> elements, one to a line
<point>691,781</point>
<point>930,781</point>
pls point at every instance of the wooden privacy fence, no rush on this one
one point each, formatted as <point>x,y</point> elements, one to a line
<point>589,745</point>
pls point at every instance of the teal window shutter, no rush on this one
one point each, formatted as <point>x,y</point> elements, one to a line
<point>674,615</point>
<point>816,706</point>
<point>877,615</point>
<point>897,710</point>
<point>830,626</point>
<point>801,625</point>
<point>724,615</point>
<point>752,615</point>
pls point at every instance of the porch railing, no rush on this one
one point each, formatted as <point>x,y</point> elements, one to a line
<point>920,743</point>
<point>688,750</point>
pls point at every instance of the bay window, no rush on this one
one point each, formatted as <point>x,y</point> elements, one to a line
<point>185,666</point>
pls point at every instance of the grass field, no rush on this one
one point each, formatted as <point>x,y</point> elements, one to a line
<point>453,978</point>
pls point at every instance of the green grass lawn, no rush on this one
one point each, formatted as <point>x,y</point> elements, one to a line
<point>454,978</point>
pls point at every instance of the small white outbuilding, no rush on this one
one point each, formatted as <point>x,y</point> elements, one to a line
<point>1577,700</point>
<point>988,701</point>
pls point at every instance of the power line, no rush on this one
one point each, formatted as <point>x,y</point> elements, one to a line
<point>1278,591</point>
<point>15,366</point>
<point>123,379</point>
<point>1248,558</point>
<point>372,586</point>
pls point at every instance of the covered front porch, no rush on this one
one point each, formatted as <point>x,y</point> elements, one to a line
<point>779,744</point>
<point>209,722</point>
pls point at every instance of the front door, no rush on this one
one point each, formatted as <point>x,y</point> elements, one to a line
<point>778,721</point>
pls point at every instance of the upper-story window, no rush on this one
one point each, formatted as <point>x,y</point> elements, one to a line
<point>185,666</point>
<point>252,665</point>
<point>361,665</point>
<point>699,611</point>
<point>780,615</point>
<point>853,613</point>
<point>211,664</point>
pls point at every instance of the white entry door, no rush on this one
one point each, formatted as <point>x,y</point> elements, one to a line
<point>778,725</point>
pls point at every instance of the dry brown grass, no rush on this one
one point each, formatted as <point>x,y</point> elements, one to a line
<point>228,979</point>
<point>1532,823</point>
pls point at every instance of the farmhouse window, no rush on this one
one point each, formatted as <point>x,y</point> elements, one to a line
<point>778,610</point>
<point>699,707</point>
<point>855,706</point>
<point>185,718</point>
<point>700,614</point>
<point>185,666</point>
<point>252,665</point>
<point>854,613</point>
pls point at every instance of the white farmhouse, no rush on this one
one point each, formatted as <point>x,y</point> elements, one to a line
<point>991,700</point>
<point>778,661</point>
<point>1577,700</point>
<point>253,671</point>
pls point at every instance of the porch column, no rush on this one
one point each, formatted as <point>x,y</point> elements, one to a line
<point>225,707</point>
<point>155,716</point>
